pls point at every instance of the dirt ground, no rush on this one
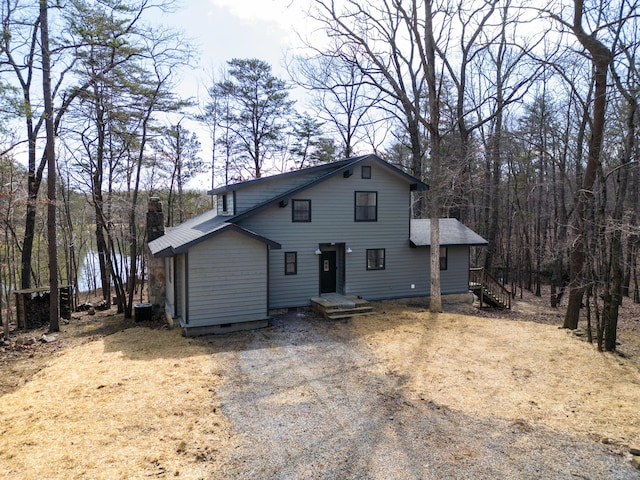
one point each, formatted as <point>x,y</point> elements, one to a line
<point>402,393</point>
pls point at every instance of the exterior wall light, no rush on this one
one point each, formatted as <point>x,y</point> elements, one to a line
<point>318,251</point>
<point>349,250</point>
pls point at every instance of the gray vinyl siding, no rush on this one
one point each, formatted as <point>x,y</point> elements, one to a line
<point>169,265</point>
<point>455,279</point>
<point>227,280</point>
<point>252,195</point>
<point>180,287</point>
<point>333,221</point>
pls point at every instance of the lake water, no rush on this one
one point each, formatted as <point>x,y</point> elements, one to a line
<point>89,272</point>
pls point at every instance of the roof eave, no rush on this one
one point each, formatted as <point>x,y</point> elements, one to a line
<point>164,253</point>
<point>470,244</point>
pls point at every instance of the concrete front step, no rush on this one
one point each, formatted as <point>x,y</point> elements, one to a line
<point>335,306</point>
<point>348,310</point>
<point>340,316</point>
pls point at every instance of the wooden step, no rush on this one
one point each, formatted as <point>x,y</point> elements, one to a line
<point>487,296</point>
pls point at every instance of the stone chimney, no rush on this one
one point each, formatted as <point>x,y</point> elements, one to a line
<point>155,229</point>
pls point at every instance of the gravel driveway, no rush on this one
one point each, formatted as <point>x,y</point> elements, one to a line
<point>306,400</point>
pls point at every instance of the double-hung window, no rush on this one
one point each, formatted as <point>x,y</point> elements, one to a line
<point>366,207</point>
<point>290,263</point>
<point>300,210</point>
<point>375,259</point>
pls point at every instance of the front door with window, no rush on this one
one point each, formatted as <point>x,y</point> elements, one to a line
<point>328,272</point>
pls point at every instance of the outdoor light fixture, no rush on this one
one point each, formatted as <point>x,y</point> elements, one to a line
<point>318,251</point>
<point>349,250</point>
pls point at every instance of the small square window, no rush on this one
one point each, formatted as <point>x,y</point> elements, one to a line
<point>290,263</point>
<point>375,259</point>
<point>366,208</point>
<point>300,210</point>
<point>443,258</point>
<point>366,171</point>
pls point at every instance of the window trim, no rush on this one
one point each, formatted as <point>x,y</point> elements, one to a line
<point>444,259</point>
<point>294,263</point>
<point>367,169</point>
<point>293,209</point>
<point>355,206</point>
<point>384,259</point>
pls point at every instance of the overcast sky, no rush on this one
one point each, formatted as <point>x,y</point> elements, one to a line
<point>226,29</point>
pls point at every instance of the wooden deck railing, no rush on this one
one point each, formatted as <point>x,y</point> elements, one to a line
<point>480,279</point>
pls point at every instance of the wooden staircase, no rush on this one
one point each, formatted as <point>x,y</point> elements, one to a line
<point>489,290</point>
<point>334,306</point>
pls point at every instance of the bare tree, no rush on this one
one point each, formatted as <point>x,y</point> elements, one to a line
<point>340,94</point>
<point>393,44</point>
<point>601,58</point>
<point>50,152</point>
<point>19,52</point>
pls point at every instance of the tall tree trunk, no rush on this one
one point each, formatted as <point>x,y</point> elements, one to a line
<point>495,152</point>
<point>54,307</point>
<point>561,215</point>
<point>413,127</point>
<point>133,238</point>
<point>435,303</point>
<point>614,299</point>
<point>636,277</point>
<point>99,203</point>
<point>30,216</point>
<point>494,192</point>
<point>600,57</point>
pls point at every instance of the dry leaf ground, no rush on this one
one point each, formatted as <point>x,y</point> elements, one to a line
<point>400,394</point>
<point>133,404</point>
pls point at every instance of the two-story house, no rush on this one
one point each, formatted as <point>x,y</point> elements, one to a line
<point>276,242</point>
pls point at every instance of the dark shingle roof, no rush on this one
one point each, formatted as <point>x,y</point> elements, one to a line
<point>206,225</point>
<point>195,230</point>
<point>308,173</point>
<point>452,232</point>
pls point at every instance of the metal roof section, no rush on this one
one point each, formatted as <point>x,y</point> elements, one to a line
<point>452,232</point>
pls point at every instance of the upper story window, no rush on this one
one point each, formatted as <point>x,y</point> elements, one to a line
<point>366,171</point>
<point>225,203</point>
<point>366,207</point>
<point>300,210</point>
